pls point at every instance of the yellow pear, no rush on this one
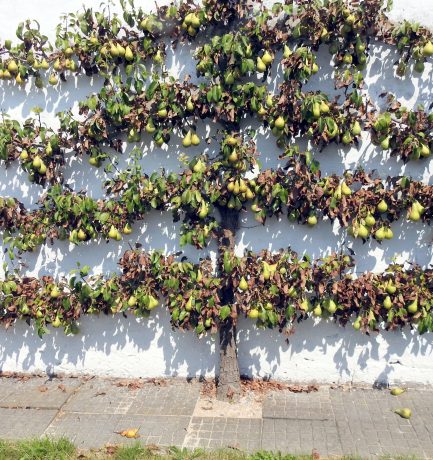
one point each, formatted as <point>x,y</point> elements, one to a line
<point>387,303</point>
<point>113,232</point>
<point>397,391</point>
<point>267,58</point>
<point>189,304</point>
<point>243,285</point>
<point>261,66</point>
<point>81,235</point>
<point>369,220</point>
<point>195,140</point>
<point>55,292</point>
<point>414,214</point>
<point>186,141</point>
<point>312,220</point>
<point>150,127</point>
<point>129,55</point>
<point>280,123</point>
<point>12,67</point>
<point>37,162</point>
<point>204,210</point>
<point>127,230</point>
<point>413,306</point>
<point>132,301</point>
<point>427,50</point>
<point>404,413</point>
<point>382,206</point>
<point>253,313</point>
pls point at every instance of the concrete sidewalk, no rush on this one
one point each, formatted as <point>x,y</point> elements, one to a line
<point>333,421</point>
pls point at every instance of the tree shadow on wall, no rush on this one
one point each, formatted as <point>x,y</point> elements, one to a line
<point>110,345</point>
<point>322,352</point>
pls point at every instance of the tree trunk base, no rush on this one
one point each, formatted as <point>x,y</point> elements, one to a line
<point>228,381</point>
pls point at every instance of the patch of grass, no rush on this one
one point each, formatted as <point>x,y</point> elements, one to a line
<point>63,449</point>
<point>38,449</point>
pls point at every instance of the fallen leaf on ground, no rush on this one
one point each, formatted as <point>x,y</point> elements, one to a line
<point>62,387</point>
<point>43,389</point>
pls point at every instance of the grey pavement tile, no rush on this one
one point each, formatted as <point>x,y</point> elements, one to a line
<point>37,392</point>
<point>240,433</point>
<point>171,399</point>
<point>96,430</point>
<point>98,396</point>
<point>24,423</point>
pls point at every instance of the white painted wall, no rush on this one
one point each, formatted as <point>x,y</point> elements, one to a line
<point>129,347</point>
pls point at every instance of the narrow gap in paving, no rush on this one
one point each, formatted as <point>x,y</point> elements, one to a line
<point>60,409</point>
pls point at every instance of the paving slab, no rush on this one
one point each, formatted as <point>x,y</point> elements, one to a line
<point>24,423</point>
<point>96,430</point>
<point>101,396</point>
<point>37,392</point>
<point>215,433</point>
<point>169,399</point>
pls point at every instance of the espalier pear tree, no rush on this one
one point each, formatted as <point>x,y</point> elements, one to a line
<point>237,44</point>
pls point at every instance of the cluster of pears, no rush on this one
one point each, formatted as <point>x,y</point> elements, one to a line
<point>12,70</point>
<point>419,53</point>
<point>191,24</point>
<point>118,51</point>
<point>190,138</point>
<point>264,61</point>
<point>382,127</point>
<point>241,190</point>
<point>416,211</point>
<point>327,305</point>
<point>114,233</point>
<point>37,164</point>
<point>148,301</point>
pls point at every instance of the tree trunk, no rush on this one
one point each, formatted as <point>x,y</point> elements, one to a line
<point>229,381</point>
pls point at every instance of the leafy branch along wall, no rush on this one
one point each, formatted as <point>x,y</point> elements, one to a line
<point>285,233</point>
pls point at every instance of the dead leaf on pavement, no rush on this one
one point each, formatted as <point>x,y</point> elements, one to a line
<point>131,433</point>
<point>43,389</point>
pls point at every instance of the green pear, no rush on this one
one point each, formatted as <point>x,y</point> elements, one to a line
<point>363,232</point>
<point>390,287</point>
<point>414,214</point>
<point>12,67</point>
<point>189,105</point>
<point>127,230</point>
<point>55,292</point>
<point>413,306</point>
<point>404,413</point>
<point>387,303</point>
<point>324,107</point>
<point>312,220</point>
<point>382,206</point>
<point>389,235</point>
<point>356,128</point>
<point>186,142</point>
<point>317,311</point>
<point>57,322</point>
<point>267,58</point>
<point>24,155</point>
<point>232,141</point>
<point>425,150</point>
<point>81,235</point>
<point>253,313</point>
<point>233,157</point>
<point>42,168</point>
<point>243,285</point>
<point>189,304</point>
<point>150,127</point>
<point>199,167</point>
<point>287,52</point>
<point>427,50</point>
<point>261,67</point>
<point>346,138</point>
<point>347,58</point>
<point>316,110</point>
<point>324,34</point>
<point>384,143</point>
<point>129,55</point>
<point>113,232</point>
<point>305,305</point>
<point>345,190</point>
<point>53,80</point>
<point>195,140</point>
<point>153,303</point>
<point>357,324</point>
<point>162,113</point>
<point>369,220</point>
<point>121,50</point>
<point>280,123</point>
<point>204,210</point>
<point>380,234</point>
<point>397,391</point>
<point>37,162</point>
<point>132,301</point>
<point>331,306</point>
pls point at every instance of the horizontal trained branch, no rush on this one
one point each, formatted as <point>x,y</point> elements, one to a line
<point>277,290</point>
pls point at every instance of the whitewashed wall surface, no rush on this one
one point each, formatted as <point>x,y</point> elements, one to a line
<point>129,347</point>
